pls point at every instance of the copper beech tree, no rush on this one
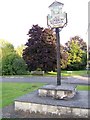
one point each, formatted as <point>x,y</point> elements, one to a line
<point>40,50</point>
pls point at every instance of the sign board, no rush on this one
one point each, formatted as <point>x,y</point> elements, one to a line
<point>56,21</point>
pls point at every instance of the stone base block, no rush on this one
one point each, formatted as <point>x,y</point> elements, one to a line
<point>58,92</point>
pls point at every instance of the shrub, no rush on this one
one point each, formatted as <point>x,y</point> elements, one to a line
<point>12,64</point>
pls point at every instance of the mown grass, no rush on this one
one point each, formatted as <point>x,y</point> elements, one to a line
<point>68,73</point>
<point>83,87</point>
<point>10,91</point>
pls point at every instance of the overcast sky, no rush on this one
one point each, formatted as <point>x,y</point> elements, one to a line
<point>17,17</point>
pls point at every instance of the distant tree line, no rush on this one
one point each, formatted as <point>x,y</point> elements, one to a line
<point>39,52</point>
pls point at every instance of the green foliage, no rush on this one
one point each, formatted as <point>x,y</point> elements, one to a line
<point>19,66</point>
<point>83,87</point>
<point>19,50</point>
<point>12,64</point>
<point>5,48</point>
<point>77,55</point>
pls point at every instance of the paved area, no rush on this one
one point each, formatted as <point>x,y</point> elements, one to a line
<point>49,80</point>
<point>80,100</point>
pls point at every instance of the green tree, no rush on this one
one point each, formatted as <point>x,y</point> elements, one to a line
<point>19,50</point>
<point>77,55</point>
<point>81,42</point>
<point>5,48</point>
<point>12,64</point>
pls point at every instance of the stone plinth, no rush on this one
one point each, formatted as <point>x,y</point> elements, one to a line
<point>77,106</point>
<point>57,92</point>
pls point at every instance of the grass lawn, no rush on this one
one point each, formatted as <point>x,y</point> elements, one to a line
<point>10,91</point>
<point>65,73</point>
<point>83,87</point>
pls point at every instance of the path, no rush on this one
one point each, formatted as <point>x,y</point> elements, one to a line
<point>49,80</point>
